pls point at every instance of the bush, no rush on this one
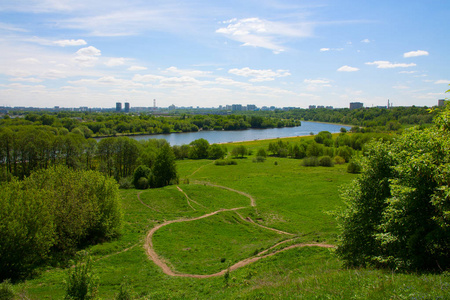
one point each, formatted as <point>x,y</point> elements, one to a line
<point>259,159</point>
<point>326,161</point>
<point>311,161</point>
<point>125,292</point>
<point>142,183</point>
<point>338,160</point>
<point>57,210</point>
<point>225,162</point>
<point>82,283</point>
<point>126,183</point>
<point>261,152</point>
<point>141,172</point>
<point>6,290</point>
<point>354,167</point>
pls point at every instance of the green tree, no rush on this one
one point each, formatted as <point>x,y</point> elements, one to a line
<point>398,209</point>
<point>164,170</point>
<point>199,149</point>
<point>216,151</point>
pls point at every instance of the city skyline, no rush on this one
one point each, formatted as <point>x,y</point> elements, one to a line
<point>210,53</point>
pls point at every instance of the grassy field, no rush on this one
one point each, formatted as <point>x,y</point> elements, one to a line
<point>288,197</point>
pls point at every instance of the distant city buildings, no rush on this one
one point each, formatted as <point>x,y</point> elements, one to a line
<point>356,105</point>
<point>118,107</point>
<point>236,107</point>
<point>127,107</point>
<point>441,102</point>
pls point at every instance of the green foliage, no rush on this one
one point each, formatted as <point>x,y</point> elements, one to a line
<point>259,159</point>
<point>164,170</point>
<point>199,149</point>
<point>239,151</point>
<point>354,167</point>
<point>261,152</point>
<point>310,161</point>
<point>141,172</point>
<point>326,161</point>
<point>27,229</point>
<point>398,214</point>
<point>81,283</point>
<point>125,292</point>
<point>216,151</point>
<point>6,290</point>
<point>225,162</point>
<point>338,160</point>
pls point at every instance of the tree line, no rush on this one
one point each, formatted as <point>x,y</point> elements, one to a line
<point>110,124</point>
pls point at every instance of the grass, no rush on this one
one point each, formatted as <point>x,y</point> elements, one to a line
<point>288,197</point>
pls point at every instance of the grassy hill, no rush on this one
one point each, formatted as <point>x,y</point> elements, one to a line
<point>227,214</point>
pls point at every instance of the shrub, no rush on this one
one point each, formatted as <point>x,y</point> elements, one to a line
<point>326,161</point>
<point>126,183</point>
<point>141,172</point>
<point>261,152</point>
<point>259,159</point>
<point>225,162</point>
<point>82,283</point>
<point>142,183</point>
<point>354,167</point>
<point>338,160</point>
<point>6,290</point>
<point>125,292</point>
<point>311,161</point>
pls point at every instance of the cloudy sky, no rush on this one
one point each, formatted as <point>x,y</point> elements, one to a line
<point>206,53</point>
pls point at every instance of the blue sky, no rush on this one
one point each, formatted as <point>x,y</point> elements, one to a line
<point>206,53</point>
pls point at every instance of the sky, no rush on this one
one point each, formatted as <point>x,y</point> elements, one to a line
<point>206,53</point>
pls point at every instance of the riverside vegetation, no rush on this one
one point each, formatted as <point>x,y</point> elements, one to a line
<point>267,201</point>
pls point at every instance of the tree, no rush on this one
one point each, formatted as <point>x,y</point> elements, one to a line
<point>164,170</point>
<point>199,149</point>
<point>398,212</point>
<point>141,172</point>
<point>216,151</point>
<point>239,151</point>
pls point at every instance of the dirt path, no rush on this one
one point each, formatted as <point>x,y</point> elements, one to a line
<point>139,198</point>
<point>252,200</point>
<point>149,243</point>
<point>189,199</point>
<point>151,253</point>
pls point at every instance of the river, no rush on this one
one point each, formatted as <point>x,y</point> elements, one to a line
<point>215,137</point>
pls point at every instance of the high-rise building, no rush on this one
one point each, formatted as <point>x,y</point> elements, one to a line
<point>441,102</point>
<point>356,105</point>
<point>312,107</point>
<point>251,107</point>
<point>118,106</point>
<point>127,107</point>
<point>236,107</point>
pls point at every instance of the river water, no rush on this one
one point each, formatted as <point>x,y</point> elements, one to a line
<point>215,137</point>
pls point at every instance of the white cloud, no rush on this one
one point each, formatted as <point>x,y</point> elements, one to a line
<point>87,56</point>
<point>147,78</point>
<point>263,33</point>
<point>116,61</point>
<point>407,72</point>
<point>259,75</point>
<point>189,73</point>
<point>324,49</point>
<point>442,81</point>
<point>26,79</point>
<point>382,64</point>
<point>136,68</point>
<point>29,60</point>
<point>347,69</point>
<point>64,43</point>
<point>401,87</point>
<point>183,80</point>
<point>365,41</point>
<point>416,53</point>
<point>316,81</point>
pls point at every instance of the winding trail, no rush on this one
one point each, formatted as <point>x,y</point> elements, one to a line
<point>160,262</point>
<point>139,198</point>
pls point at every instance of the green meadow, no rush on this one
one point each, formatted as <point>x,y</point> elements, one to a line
<point>259,209</point>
